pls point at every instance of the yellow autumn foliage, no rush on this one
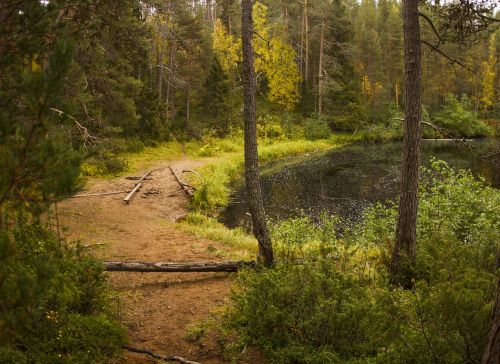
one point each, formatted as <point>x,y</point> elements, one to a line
<point>226,48</point>
<point>488,73</point>
<point>275,59</point>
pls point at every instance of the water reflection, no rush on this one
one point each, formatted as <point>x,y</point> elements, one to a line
<point>345,181</point>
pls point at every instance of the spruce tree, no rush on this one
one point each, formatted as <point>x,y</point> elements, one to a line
<point>343,91</point>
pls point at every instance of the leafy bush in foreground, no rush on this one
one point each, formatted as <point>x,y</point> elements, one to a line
<point>329,301</point>
<point>52,302</point>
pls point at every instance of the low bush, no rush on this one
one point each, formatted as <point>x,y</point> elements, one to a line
<point>53,302</point>
<point>269,128</point>
<point>328,299</point>
<point>458,117</point>
<point>315,129</point>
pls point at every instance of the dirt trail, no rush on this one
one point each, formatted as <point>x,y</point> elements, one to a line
<point>156,308</point>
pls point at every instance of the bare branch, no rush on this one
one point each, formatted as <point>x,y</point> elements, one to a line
<point>429,21</point>
<point>461,141</point>
<point>452,60</point>
<point>158,356</point>
<point>86,136</point>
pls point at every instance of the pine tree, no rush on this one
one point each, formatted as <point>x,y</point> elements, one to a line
<point>343,91</point>
<point>216,92</point>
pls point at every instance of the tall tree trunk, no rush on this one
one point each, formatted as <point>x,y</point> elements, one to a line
<point>397,94</point>
<point>188,107</point>
<point>159,66</point>
<point>491,354</point>
<point>251,157</point>
<point>229,27</point>
<point>169,77</point>
<point>306,35</point>
<point>403,256</point>
<point>302,30</point>
<point>285,14</point>
<point>321,75</point>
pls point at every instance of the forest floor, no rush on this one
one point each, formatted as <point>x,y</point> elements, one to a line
<point>158,309</point>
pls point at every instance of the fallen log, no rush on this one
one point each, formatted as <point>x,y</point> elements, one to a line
<point>175,192</point>
<point>186,187</point>
<point>131,193</point>
<point>138,178</point>
<point>177,267</point>
<point>158,356</point>
<point>136,188</point>
<point>100,194</point>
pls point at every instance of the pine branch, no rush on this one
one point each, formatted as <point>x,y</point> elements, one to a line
<point>430,22</point>
<point>452,60</point>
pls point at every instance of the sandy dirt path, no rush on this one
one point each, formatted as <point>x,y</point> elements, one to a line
<point>156,308</point>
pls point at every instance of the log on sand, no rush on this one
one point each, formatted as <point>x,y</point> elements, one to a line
<point>231,266</point>
<point>99,194</point>
<point>136,188</point>
<point>186,187</point>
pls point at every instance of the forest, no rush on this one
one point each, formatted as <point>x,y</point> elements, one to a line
<point>250,181</point>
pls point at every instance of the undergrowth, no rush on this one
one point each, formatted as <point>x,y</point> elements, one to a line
<point>328,299</point>
<point>54,303</point>
<point>243,246</point>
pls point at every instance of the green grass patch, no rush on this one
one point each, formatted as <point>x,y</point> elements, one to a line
<point>109,165</point>
<point>244,246</point>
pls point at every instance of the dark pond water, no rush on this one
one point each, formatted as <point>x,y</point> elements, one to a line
<point>345,181</point>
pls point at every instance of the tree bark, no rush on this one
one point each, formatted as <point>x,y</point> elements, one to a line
<point>403,256</point>
<point>491,354</point>
<point>302,30</point>
<point>252,178</point>
<point>149,267</point>
<point>169,77</point>
<point>159,64</point>
<point>306,35</point>
<point>321,79</point>
<point>188,107</point>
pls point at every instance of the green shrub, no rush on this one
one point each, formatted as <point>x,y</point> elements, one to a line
<point>307,313</point>
<point>458,117</point>
<point>53,302</point>
<point>292,130</point>
<point>315,129</point>
<point>379,133</point>
<point>329,300</point>
<point>104,164</point>
<point>269,127</point>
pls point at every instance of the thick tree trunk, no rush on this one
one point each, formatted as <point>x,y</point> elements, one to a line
<point>251,157</point>
<point>321,79</point>
<point>491,354</point>
<point>403,256</point>
<point>186,267</point>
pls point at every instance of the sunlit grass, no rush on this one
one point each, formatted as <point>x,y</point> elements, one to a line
<point>149,156</point>
<point>243,246</point>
